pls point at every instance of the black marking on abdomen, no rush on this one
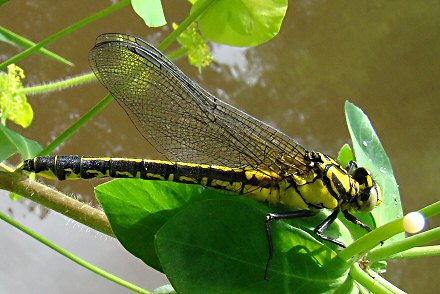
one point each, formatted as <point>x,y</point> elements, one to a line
<point>62,166</point>
<point>92,168</point>
<point>150,169</point>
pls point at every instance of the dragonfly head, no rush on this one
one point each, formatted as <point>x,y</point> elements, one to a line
<point>370,194</point>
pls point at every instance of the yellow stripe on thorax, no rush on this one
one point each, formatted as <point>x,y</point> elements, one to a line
<point>296,192</point>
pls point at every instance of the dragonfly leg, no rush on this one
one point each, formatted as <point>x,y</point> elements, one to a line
<point>351,167</point>
<point>355,220</point>
<point>278,216</point>
<point>322,227</point>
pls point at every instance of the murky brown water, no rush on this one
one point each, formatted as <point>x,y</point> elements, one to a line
<point>382,55</point>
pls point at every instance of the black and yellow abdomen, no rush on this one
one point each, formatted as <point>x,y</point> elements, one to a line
<point>72,167</point>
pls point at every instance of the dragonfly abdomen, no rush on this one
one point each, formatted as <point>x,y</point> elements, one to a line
<point>72,167</point>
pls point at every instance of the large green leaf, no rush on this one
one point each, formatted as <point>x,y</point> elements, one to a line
<point>221,246</point>
<point>371,154</point>
<point>138,209</point>
<point>12,143</point>
<point>241,22</point>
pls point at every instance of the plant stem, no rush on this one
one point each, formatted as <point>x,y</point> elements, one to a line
<point>386,231</point>
<point>23,42</point>
<point>177,54</point>
<point>59,85</point>
<point>367,281</point>
<point>55,200</point>
<point>418,252</point>
<point>64,32</point>
<point>79,123</point>
<point>431,210</point>
<point>401,245</point>
<point>71,256</point>
<point>384,282</point>
<point>372,239</point>
<point>185,24</point>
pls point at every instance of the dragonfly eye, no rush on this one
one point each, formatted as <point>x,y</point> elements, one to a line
<point>370,194</point>
<point>370,198</point>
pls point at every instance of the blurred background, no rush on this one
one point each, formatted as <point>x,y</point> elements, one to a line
<point>381,55</point>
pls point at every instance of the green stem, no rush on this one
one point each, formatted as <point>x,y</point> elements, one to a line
<point>200,8</point>
<point>401,245</point>
<point>418,252</point>
<point>178,53</point>
<point>59,85</point>
<point>431,210</point>
<point>368,282</point>
<point>79,123</point>
<point>71,256</point>
<point>23,42</point>
<point>64,32</point>
<point>384,282</point>
<point>372,239</point>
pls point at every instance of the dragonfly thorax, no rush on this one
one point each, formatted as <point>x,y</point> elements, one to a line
<point>355,189</point>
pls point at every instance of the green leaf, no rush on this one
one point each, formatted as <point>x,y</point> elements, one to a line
<point>13,104</point>
<point>241,22</point>
<point>345,155</point>
<point>371,154</point>
<point>12,143</point>
<point>199,54</point>
<point>150,11</point>
<point>137,209</point>
<point>221,245</point>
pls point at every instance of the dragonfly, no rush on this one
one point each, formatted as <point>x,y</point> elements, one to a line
<point>209,142</point>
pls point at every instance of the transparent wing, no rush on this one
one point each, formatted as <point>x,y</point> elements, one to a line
<point>179,118</point>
